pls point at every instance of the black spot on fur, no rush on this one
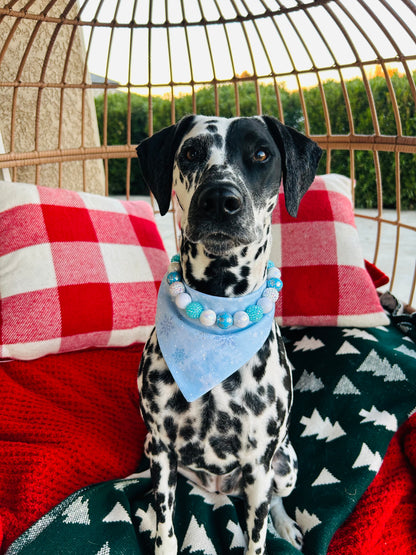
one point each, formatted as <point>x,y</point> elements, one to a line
<point>190,453</point>
<point>245,271</point>
<point>273,428</point>
<point>212,128</point>
<point>240,288</point>
<point>154,408</point>
<point>232,382</point>
<point>171,428</point>
<point>237,409</point>
<point>218,140</point>
<point>207,414</point>
<point>178,403</point>
<point>261,514</point>
<point>187,432</point>
<point>271,394</point>
<point>224,445</point>
<point>254,403</point>
<point>283,467</point>
<point>223,422</point>
<point>259,371</point>
<point>268,454</point>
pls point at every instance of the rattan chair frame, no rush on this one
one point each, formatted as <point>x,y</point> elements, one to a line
<point>249,16</point>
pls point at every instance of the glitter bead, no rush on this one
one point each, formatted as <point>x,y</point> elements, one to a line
<point>255,313</point>
<point>194,309</point>
<point>270,264</point>
<point>275,282</point>
<point>175,258</point>
<point>176,288</point>
<point>266,304</point>
<point>224,320</point>
<point>241,319</point>
<point>271,293</point>
<point>274,273</point>
<point>208,317</point>
<point>182,300</point>
<point>172,277</point>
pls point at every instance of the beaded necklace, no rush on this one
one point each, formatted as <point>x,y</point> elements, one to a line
<point>224,320</point>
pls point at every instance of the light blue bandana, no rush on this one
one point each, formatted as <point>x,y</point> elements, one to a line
<point>201,357</point>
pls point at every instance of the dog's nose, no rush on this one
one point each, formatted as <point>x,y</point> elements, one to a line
<point>220,201</point>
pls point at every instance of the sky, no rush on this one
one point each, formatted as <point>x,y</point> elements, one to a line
<point>281,44</point>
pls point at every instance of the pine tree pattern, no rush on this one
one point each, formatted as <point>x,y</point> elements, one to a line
<point>353,389</point>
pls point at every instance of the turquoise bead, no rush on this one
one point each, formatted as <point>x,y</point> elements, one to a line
<point>172,277</point>
<point>255,313</point>
<point>175,258</point>
<point>276,283</point>
<point>270,264</point>
<point>224,320</point>
<point>194,310</point>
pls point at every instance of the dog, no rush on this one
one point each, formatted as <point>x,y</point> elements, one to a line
<point>226,175</point>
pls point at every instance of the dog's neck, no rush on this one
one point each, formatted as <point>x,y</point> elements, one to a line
<point>238,272</point>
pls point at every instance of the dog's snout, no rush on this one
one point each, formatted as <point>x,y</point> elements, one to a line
<point>220,201</point>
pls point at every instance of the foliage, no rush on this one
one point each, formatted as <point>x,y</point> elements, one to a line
<point>331,93</point>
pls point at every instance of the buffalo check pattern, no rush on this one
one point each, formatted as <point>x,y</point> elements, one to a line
<point>76,271</point>
<point>323,270</point>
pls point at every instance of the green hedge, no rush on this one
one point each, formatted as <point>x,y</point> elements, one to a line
<point>366,195</point>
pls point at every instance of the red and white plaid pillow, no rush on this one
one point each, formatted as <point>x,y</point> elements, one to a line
<point>325,282</point>
<point>76,271</point>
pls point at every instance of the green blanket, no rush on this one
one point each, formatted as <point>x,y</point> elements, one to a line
<point>353,388</point>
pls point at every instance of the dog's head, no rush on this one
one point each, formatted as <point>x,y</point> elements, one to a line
<point>226,175</point>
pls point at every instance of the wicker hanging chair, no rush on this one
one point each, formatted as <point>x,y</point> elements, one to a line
<point>275,49</point>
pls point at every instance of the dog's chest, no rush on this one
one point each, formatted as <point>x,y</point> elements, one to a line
<point>246,413</point>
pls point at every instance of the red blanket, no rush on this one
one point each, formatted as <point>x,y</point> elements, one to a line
<point>72,420</point>
<point>66,421</point>
<point>384,521</point>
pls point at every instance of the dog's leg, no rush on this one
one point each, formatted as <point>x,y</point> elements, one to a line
<point>163,468</point>
<point>285,468</point>
<point>258,484</point>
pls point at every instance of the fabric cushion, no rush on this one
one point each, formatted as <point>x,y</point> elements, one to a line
<point>76,271</point>
<point>353,388</point>
<point>66,421</point>
<point>325,282</point>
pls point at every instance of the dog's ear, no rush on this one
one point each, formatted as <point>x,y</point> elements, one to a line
<point>156,156</point>
<point>300,158</point>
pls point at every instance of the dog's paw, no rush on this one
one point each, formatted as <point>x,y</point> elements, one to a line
<point>290,532</point>
<point>286,527</point>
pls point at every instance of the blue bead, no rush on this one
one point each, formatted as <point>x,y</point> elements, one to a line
<point>175,258</point>
<point>276,283</point>
<point>270,264</point>
<point>194,310</point>
<point>224,320</point>
<point>172,277</point>
<point>255,313</point>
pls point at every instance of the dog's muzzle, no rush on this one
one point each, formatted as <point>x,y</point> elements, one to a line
<point>219,202</point>
<point>219,217</point>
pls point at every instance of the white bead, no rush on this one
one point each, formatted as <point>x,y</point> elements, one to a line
<point>208,317</point>
<point>174,267</point>
<point>176,288</point>
<point>182,300</point>
<point>274,273</point>
<point>271,293</point>
<point>241,319</point>
<point>266,304</point>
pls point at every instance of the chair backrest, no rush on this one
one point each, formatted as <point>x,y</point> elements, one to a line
<point>82,82</point>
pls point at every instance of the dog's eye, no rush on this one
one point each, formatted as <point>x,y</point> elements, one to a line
<point>191,154</point>
<point>260,155</point>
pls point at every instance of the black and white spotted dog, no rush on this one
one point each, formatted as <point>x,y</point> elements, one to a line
<point>234,439</point>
